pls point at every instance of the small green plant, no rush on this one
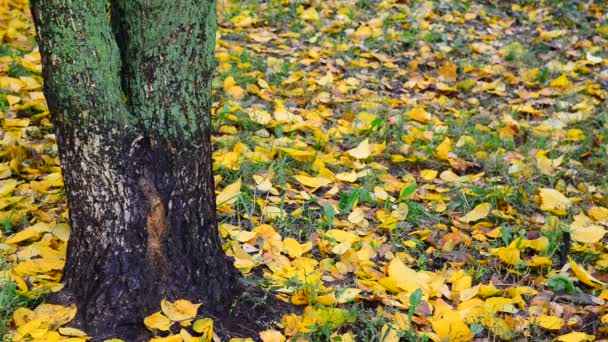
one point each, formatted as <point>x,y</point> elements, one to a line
<point>415,299</point>
<point>562,283</point>
<point>7,226</point>
<point>10,300</point>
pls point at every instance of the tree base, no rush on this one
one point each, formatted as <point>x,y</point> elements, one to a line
<point>253,311</point>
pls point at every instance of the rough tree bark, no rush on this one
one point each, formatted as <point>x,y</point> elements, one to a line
<point>128,83</point>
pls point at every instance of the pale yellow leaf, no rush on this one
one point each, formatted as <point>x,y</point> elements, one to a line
<point>312,182</point>
<point>479,212</point>
<point>347,176</point>
<point>583,230</point>
<point>272,336</point>
<point>356,216</point>
<point>362,151</point>
<point>179,310</point>
<point>229,194</point>
<point>554,201</point>
<point>67,331</point>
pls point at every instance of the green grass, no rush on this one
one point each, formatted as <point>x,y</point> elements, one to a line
<point>10,300</point>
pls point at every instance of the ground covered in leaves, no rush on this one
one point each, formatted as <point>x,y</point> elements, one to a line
<point>395,170</point>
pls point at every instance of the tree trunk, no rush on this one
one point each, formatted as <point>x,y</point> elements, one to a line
<point>130,98</point>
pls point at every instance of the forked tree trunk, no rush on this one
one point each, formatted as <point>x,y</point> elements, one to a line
<point>129,91</point>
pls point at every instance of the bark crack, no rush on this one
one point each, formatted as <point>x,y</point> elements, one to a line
<point>157,223</point>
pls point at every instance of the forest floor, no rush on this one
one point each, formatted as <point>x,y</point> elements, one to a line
<point>394,170</point>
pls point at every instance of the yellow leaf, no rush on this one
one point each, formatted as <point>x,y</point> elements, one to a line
<point>233,89</point>
<point>347,176</point>
<point>389,334</point>
<point>583,275</point>
<point>244,235</point>
<point>30,326</point>
<point>12,99</point>
<point>158,321</point>
<point>479,212</point>
<point>7,186</point>
<point>575,134</point>
<point>341,235</point>
<point>293,248</point>
<point>347,295</point>
<point>259,116</point>
<point>16,123</point>
<point>362,33</point>
<point>66,331</point>
<point>326,80</point>
<point>362,151</point>
<point>444,149</point>
<point>300,155</point>
<point>310,14</point>
<point>312,182</point>
<point>576,336</point>
<point>599,214</point>
<point>561,82</point>
<point>341,248</point>
<point>403,276</point>
<point>447,72</point>
<point>450,326</point>
<point>229,194</point>
<point>419,114</point>
<point>204,326</point>
<point>261,37</point>
<point>179,310</point>
<point>583,230</point>
<point>55,315</point>
<point>26,234</point>
<point>401,212</point>
<point>272,336</point>
<point>428,175</point>
<point>548,322</point>
<point>42,265</point>
<point>12,84</point>
<point>554,201</point>
<point>61,231</point>
<point>549,35</point>
<point>356,216</point>
<point>22,316</point>
<point>509,255</point>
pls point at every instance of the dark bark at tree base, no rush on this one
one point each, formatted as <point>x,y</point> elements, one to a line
<point>168,247</point>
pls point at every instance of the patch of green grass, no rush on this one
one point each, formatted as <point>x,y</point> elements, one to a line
<point>17,70</point>
<point>10,300</point>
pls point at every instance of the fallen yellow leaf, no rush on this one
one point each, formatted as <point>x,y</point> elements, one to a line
<point>362,151</point>
<point>576,336</point>
<point>180,310</point>
<point>229,194</point>
<point>272,336</point>
<point>548,322</point>
<point>554,201</point>
<point>158,321</point>
<point>583,275</point>
<point>479,212</point>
